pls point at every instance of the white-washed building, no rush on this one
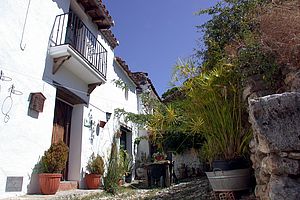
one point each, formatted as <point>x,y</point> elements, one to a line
<point>58,72</point>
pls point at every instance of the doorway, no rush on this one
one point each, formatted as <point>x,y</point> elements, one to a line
<point>126,140</point>
<point>62,126</point>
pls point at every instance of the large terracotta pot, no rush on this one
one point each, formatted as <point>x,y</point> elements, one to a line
<point>93,181</point>
<point>49,183</point>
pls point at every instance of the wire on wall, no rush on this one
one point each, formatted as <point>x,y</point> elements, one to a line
<point>8,103</point>
<point>22,44</point>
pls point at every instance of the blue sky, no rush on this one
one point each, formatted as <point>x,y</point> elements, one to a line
<point>153,34</point>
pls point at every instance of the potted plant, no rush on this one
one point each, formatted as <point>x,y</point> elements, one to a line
<point>125,165</point>
<point>52,163</point>
<point>216,96</point>
<point>95,167</point>
<point>158,156</point>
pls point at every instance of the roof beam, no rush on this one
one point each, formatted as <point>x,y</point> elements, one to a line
<point>98,19</point>
<point>90,9</point>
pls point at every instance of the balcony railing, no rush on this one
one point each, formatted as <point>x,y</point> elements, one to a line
<point>69,29</point>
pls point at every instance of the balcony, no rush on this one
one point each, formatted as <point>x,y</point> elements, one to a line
<point>73,46</point>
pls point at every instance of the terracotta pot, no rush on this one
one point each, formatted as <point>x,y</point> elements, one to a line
<point>49,183</point>
<point>120,182</point>
<point>159,158</point>
<point>93,181</point>
<point>102,124</point>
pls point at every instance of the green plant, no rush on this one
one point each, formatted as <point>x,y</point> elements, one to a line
<point>54,159</point>
<point>159,156</point>
<point>120,84</point>
<point>95,164</point>
<point>125,163</point>
<point>215,110</point>
<point>139,139</point>
<point>114,172</point>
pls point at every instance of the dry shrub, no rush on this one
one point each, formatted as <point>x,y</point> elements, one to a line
<point>280,31</point>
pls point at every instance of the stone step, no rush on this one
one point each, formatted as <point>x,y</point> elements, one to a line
<point>68,185</point>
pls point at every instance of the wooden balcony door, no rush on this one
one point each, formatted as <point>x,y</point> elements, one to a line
<point>62,126</point>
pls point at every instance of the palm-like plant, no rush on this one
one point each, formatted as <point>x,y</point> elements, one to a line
<point>214,109</point>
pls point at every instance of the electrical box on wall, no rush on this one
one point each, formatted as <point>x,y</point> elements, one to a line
<point>37,101</point>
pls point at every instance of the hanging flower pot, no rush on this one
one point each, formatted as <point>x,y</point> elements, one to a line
<point>102,124</point>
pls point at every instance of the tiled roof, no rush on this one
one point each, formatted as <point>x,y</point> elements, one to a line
<point>139,78</point>
<point>98,12</point>
<point>110,37</point>
<point>101,17</point>
<point>125,67</point>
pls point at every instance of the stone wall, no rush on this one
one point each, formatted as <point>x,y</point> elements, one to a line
<point>275,146</point>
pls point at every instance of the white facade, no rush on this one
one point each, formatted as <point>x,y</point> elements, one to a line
<point>26,134</point>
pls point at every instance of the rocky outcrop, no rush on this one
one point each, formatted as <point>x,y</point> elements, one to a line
<point>275,146</point>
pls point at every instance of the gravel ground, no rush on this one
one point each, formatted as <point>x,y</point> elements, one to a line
<point>196,188</point>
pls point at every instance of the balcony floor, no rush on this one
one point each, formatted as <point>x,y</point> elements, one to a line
<point>66,56</point>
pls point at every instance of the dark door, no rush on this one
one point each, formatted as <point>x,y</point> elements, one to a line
<point>123,140</point>
<point>62,126</point>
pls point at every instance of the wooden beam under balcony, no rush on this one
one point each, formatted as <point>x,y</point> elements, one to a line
<point>57,62</point>
<point>91,87</point>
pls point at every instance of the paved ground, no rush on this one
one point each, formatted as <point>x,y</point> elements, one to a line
<point>196,188</point>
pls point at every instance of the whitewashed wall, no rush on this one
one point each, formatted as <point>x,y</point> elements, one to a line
<point>144,145</point>
<point>106,98</point>
<point>189,158</point>
<point>26,135</point>
<point>24,138</point>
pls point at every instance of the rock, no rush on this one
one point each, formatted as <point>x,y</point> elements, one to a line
<point>262,178</point>
<point>256,159</point>
<point>294,155</point>
<point>255,87</point>
<point>261,191</point>
<point>283,154</point>
<point>276,121</point>
<point>280,166</point>
<point>282,188</point>
<point>293,81</point>
<point>252,145</point>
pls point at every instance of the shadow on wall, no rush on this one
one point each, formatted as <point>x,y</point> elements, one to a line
<point>33,187</point>
<point>60,4</point>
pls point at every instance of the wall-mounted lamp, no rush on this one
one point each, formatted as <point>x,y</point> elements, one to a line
<point>108,115</point>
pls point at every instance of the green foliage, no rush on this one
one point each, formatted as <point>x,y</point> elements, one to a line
<point>125,162</point>
<point>138,119</point>
<point>141,120</point>
<point>139,139</point>
<point>169,92</point>
<point>113,171</point>
<point>95,165</point>
<point>233,34</point>
<point>119,165</point>
<point>120,84</point>
<point>179,141</point>
<point>230,20</point>
<point>252,60</point>
<point>214,109</point>
<point>54,159</point>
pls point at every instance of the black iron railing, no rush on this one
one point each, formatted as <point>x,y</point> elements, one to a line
<point>69,29</point>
